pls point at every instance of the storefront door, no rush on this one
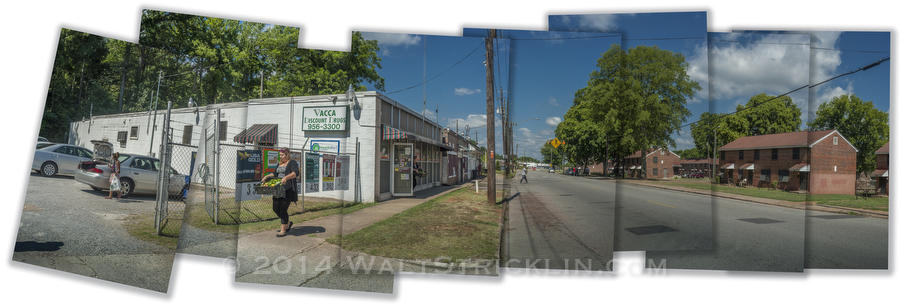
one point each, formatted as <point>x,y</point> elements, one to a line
<point>402,181</point>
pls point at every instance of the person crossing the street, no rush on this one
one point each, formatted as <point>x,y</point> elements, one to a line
<point>524,174</point>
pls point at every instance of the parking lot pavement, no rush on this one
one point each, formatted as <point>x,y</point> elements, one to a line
<point>65,225</point>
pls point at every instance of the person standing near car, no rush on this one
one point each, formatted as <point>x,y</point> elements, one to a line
<point>288,171</point>
<point>115,185</point>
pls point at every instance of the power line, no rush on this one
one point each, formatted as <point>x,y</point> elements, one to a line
<point>460,61</point>
<point>862,68</point>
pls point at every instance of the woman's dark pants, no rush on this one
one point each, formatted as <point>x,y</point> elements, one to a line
<point>280,206</point>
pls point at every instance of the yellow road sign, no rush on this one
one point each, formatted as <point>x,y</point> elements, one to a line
<point>555,142</point>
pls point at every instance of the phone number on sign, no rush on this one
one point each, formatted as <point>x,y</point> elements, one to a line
<point>324,126</point>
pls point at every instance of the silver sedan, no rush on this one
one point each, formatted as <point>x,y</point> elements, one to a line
<point>51,159</point>
<point>138,175</point>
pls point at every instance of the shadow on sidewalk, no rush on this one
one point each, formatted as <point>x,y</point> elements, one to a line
<point>305,230</point>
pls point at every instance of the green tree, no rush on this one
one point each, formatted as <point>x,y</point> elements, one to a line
<point>727,128</point>
<point>767,116</point>
<point>638,98</point>
<point>860,122</point>
<point>551,155</point>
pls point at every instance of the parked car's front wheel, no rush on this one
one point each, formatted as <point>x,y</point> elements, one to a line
<point>49,169</point>
<point>126,186</point>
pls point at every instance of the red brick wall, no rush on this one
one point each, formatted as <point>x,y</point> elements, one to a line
<point>664,165</point>
<point>784,162</point>
<point>881,161</point>
<point>825,157</point>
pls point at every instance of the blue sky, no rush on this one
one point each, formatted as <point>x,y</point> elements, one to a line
<point>455,71</point>
<point>838,52</point>
<point>545,71</point>
<point>679,32</point>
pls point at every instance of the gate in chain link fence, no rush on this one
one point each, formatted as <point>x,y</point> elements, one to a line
<point>174,172</point>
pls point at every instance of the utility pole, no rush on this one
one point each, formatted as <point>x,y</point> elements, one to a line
<point>153,128</point>
<point>489,60</point>
<point>261,77</point>
<point>424,75</point>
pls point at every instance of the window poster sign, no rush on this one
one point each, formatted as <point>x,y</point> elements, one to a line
<point>248,173</point>
<point>325,118</point>
<point>271,161</point>
<point>328,165</point>
<point>342,170</point>
<point>312,172</point>
<point>249,166</point>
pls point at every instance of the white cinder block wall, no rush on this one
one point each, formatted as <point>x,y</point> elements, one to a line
<point>237,116</point>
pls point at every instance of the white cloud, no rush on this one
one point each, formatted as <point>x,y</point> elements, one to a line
<point>825,62</point>
<point>684,142</point>
<point>599,22</point>
<point>474,121</point>
<point>552,101</point>
<point>430,114</point>
<point>393,39</point>
<point>554,121</point>
<point>826,94</point>
<point>462,91</point>
<point>771,64</point>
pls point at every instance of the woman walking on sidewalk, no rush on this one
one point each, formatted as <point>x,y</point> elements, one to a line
<point>115,185</point>
<point>288,171</point>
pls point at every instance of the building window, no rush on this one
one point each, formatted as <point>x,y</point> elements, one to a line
<point>755,154</point>
<point>186,134</point>
<point>223,130</point>
<point>774,154</point>
<point>740,155</point>
<point>834,140</point>
<point>795,154</point>
<point>134,132</point>
<point>783,176</point>
<point>764,175</point>
<point>655,160</point>
<point>655,171</point>
<point>122,137</point>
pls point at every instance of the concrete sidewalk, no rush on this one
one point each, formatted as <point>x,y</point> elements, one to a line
<point>304,258</point>
<point>809,205</point>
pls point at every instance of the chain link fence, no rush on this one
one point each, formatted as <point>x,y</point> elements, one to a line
<point>174,172</point>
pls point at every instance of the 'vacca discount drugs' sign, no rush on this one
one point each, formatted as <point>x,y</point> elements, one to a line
<point>325,118</point>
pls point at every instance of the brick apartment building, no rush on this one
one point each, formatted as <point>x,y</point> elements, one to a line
<point>661,164</point>
<point>696,165</point>
<point>880,175</point>
<point>820,162</point>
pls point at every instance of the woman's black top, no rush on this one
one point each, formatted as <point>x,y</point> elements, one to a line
<point>290,187</point>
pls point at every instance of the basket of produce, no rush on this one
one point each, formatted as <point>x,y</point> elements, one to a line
<point>272,187</point>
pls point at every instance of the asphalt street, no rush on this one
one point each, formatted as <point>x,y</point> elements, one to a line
<point>67,226</point>
<point>751,236</point>
<point>559,222</point>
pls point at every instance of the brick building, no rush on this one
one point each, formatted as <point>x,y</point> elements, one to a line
<point>820,162</point>
<point>880,175</point>
<point>661,163</point>
<point>696,166</point>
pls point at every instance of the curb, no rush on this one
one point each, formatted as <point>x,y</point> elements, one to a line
<point>814,206</point>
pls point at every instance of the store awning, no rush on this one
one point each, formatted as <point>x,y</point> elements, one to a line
<point>389,133</point>
<point>747,166</point>
<point>728,166</point>
<point>880,173</point>
<point>801,167</point>
<point>258,134</point>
